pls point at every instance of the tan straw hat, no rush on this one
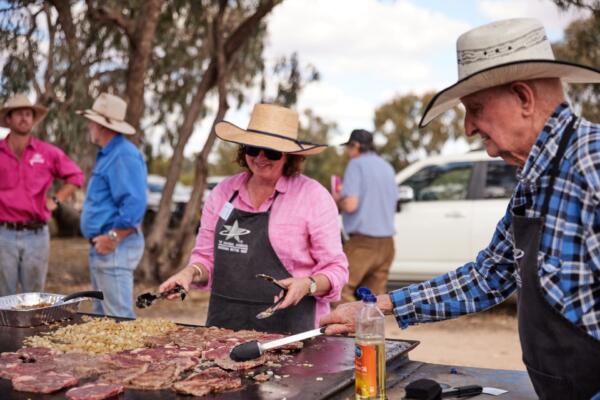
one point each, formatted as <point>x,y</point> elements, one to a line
<point>109,111</point>
<point>503,52</point>
<point>22,101</point>
<point>270,127</point>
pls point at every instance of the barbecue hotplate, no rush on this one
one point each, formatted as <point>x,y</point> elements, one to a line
<point>319,371</point>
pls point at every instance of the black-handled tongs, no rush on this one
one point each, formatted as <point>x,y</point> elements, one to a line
<point>269,311</point>
<point>146,299</point>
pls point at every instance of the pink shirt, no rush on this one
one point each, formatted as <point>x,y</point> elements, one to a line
<point>304,230</point>
<point>25,182</point>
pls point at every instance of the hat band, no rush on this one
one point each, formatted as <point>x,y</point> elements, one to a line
<point>298,142</point>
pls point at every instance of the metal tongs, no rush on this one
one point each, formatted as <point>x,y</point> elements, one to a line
<point>269,311</point>
<point>146,299</point>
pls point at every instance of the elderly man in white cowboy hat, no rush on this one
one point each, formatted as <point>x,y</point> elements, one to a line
<point>28,167</point>
<point>114,206</point>
<point>547,245</point>
<point>269,220</point>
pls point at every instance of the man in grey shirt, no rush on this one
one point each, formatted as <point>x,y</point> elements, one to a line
<point>368,204</point>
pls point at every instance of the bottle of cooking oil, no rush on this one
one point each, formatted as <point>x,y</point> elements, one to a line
<point>369,357</point>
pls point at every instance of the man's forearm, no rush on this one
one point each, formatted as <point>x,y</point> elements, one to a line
<point>65,192</point>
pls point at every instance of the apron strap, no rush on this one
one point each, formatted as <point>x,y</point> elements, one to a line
<point>562,146</point>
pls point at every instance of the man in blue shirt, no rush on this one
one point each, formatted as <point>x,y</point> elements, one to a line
<point>368,204</point>
<point>547,245</point>
<point>114,206</point>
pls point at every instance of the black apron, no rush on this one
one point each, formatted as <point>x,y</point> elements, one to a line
<point>562,360</point>
<point>242,250</point>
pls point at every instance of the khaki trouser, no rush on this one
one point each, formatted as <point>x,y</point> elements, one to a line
<point>369,260</point>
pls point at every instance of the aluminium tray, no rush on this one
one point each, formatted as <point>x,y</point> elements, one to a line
<point>9,316</point>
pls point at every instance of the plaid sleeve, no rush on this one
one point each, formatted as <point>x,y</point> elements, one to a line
<point>475,286</point>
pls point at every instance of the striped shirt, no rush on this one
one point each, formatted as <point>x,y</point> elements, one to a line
<point>569,253</point>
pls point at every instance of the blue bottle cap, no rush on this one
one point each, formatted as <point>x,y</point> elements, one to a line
<point>366,295</point>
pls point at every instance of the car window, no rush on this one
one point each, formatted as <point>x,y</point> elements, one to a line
<point>441,182</point>
<point>155,187</point>
<point>500,180</point>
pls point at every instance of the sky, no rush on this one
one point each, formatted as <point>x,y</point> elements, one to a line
<point>369,51</point>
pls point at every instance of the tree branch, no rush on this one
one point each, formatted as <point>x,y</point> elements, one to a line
<point>106,14</point>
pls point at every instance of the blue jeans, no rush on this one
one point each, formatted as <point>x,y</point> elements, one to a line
<point>23,260</point>
<point>113,274</point>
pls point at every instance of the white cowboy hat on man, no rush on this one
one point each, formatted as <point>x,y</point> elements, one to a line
<point>270,127</point>
<point>109,111</point>
<point>502,52</point>
<point>22,101</point>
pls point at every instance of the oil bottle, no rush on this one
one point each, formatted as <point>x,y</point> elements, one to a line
<point>369,351</point>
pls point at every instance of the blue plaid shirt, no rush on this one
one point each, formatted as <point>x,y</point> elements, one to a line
<point>569,254</point>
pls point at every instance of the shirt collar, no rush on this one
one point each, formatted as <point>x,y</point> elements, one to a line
<point>33,143</point>
<point>546,144</point>
<point>281,186</point>
<point>114,142</point>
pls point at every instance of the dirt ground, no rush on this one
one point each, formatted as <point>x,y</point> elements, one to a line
<point>488,339</point>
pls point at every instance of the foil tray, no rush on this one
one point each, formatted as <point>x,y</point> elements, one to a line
<point>9,316</point>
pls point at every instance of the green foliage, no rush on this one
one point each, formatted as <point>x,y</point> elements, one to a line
<point>333,160</point>
<point>581,44</point>
<point>396,122</point>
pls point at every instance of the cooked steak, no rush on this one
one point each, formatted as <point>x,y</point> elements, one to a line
<point>208,381</point>
<point>94,391</point>
<point>156,377</point>
<point>229,364</point>
<point>47,382</point>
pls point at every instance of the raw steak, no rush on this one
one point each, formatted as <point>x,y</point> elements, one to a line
<point>122,376</point>
<point>36,353</point>
<point>43,383</point>
<point>11,371</point>
<point>208,381</point>
<point>82,365</point>
<point>94,391</point>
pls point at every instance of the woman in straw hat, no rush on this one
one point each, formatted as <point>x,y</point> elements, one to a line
<point>547,244</point>
<point>269,220</point>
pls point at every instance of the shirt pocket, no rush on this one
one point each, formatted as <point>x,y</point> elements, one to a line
<point>9,178</point>
<point>549,272</point>
<point>38,178</point>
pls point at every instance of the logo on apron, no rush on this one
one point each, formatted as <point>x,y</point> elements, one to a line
<point>233,231</point>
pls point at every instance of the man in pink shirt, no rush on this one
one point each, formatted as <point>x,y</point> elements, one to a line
<point>28,167</point>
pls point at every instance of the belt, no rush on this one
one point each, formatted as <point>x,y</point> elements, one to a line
<point>23,226</point>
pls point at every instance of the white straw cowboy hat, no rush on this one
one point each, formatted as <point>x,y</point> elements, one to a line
<point>21,101</point>
<point>270,127</point>
<point>109,111</point>
<point>503,52</point>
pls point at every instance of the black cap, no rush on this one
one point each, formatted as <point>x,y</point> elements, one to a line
<point>361,136</point>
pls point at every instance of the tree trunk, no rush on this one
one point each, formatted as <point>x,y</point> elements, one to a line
<point>141,52</point>
<point>191,218</point>
<point>150,265</point>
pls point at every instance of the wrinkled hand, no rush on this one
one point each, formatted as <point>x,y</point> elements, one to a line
<point>342,319</point>
<point>104,245</point>
<point>297,289</point>
<point>183,278</point>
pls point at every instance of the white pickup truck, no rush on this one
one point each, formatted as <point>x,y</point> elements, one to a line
<point>448,209</point>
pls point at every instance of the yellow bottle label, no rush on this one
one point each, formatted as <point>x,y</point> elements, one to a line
<point>369,369</point>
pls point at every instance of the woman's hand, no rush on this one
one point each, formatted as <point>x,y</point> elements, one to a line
<point>297,289</point>
<point>183,278</point>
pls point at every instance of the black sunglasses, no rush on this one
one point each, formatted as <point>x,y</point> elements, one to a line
<point>272,155</point>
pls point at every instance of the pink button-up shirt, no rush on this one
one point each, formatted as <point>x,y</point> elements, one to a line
<point>304,230</point>
<point>25,182</point>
